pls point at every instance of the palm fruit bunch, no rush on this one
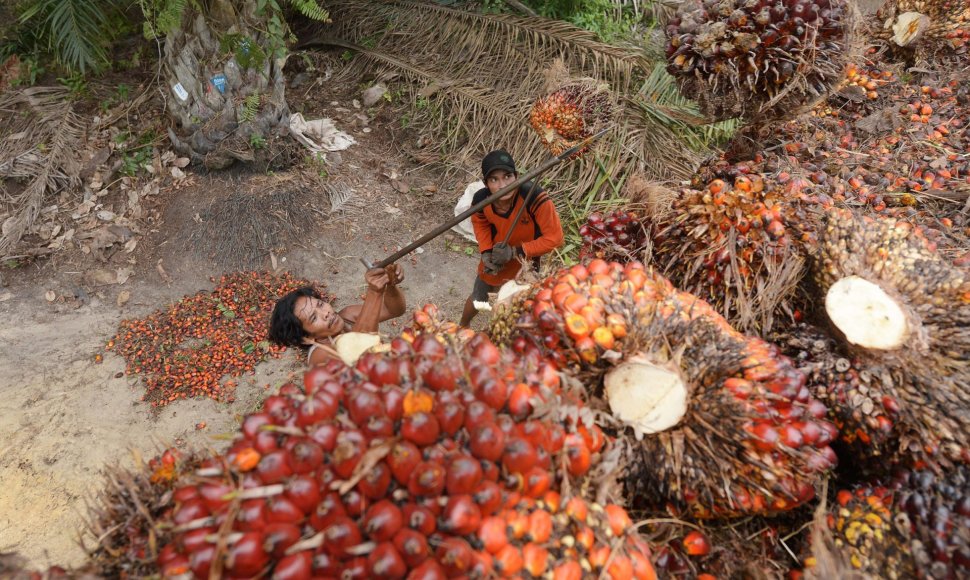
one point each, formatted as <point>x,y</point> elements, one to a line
<point>617,235</point>
<point>911,23</point>
<point>757,58</point>
<point>896,304</point>
<point>712,421</point>
<point>566,116</point>
<point>856,395</point>
<point>419,462</point>
<point>917,527</point>
<point>737,244</point>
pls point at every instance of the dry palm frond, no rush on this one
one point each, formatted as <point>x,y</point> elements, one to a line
<point>474,78</point>
<point>40,143</point>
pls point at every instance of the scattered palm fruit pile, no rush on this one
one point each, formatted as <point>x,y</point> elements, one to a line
<point>723,423</point>
<point>757,58</point>
<point>898,305</point>
<point>738,243</point>
<point>937,23</point>
<point>570,114</point>
<point>618,235</point>
<point>185,350</point>
<point>917,527</point>
<point>855,393</point>
<point>422,461</point>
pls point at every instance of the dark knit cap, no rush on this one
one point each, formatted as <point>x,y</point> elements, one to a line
<point>498,159</point>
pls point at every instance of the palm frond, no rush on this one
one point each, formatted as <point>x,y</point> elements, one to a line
<point>74,30</point>
<point>472,79</point>
<point>41,134</point>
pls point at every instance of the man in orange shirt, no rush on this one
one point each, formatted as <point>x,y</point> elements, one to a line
<point>536,233</point>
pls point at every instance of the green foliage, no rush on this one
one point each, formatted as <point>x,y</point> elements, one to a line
<point>162,16</point>
<point>311,10</point>
<point>257,141</point>
<point>30,71</point>
<point>246,51</point>
<point>250,108</point>
<point>606,194</point>
<point>76,83</point>
<point>610,20</point>
<point>75,33</point>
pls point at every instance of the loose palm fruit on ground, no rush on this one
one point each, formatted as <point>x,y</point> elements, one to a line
<point>896,303</point>
<point>716,423</point>
<point>932,23</point>
<point>736,243</point>
<point>570,114</point>
<point>856,395</point>
<point>617,235</point>
<point>400,464</point>
<point>757,58</point>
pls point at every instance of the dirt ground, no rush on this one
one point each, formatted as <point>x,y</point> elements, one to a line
<point>63,415</point>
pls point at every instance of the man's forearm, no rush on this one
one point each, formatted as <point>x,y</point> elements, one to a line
<point>370,312</point>
<point>394,303</point>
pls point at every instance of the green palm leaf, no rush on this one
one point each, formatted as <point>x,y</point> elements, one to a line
<point>75,30</point>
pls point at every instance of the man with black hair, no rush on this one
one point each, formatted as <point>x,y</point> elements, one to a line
<point>536,233</point>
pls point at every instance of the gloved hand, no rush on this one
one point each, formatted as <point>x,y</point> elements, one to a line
<point>501,254</point>
<point>488,260</point>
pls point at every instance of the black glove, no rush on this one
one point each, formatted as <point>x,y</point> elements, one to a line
<point>489,261</point>
<point>501,254</point>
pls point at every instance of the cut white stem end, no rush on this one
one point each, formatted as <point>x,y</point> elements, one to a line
<point>482,305</point>
<point>648,397</point>
<point>508,291</point>
<point>351,345</point>
<point>909,27</point>
<point>865,314</point>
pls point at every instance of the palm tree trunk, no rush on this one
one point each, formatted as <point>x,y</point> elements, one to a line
<point>225,86</point>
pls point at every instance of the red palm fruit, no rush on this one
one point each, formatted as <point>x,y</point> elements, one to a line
<point>577,509</point>
<point>490,470</point>
<point>696,544</point>
<point>578,458</point>
<point>273,467</point>
<point>350,448</point>
<point>487,441</point>
<point>378,427</point>
<point>455,556</point>
<point>175,567</point>
<point>492,392</point>
<point>518,523</point>
<point>420,428</point>
<point>191,541</point>
<point>585,537</point>
<point>492,534</point>
<point>477,414</point>
<point>386,562</point>
<point>298,566</point>
<point>327,511</point>
<point>519,455</point>
<point>280,509</point>
<point>483,351</point>
<point>443,376</point>
<point>642,567</point>
<point>313,410</point>
<point>382,521</point>
<point>461,515</point>
<point>355,502</point>
<point>520,401</point>
<point>325,565</point>
<point>265,442</point>
<point>215,495</point>
<point>393,402</point>
<point>200,560</point>
<point>536,482</point>
<point>355,569</point>
<point>540,526</point>
<point>280,536</point>
<point>376,482</point>
<point>508,561</point>
<point>488,496</point>
<point>419,518</point>
<point>185,493</point>
<point>569,570</point>
<point>534,431</point>
<point>535,559</point>
<point>246,556</point>
<point>402,460</point>
<point>428,570</point>
<point>451,417</point>
<point>618,519</point>
<point>620,567</point>
<point>340,535</point>
<point>463,475</point>
<point>412,545</point>
<point>252,515</point>
<point>305,457</point>
<point>427,479</point>
<point>363,404</point>
<point>593,436</point>
<point>598,556</point>
<point>325,435</point>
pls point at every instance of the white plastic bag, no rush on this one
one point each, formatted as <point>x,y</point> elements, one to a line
<point>464,202</point>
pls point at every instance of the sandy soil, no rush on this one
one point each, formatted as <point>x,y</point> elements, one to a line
<point>64,416</point>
